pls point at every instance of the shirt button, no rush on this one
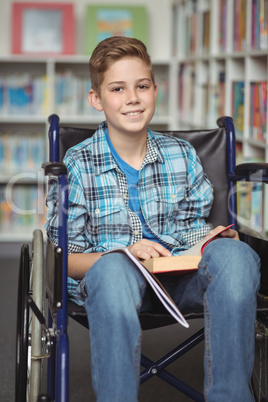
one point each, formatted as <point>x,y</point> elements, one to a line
<point>97,211</point>
<point>124,196</point>
<point>135,232</point>
<point>173,196</point>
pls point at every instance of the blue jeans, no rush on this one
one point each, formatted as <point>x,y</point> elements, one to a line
<point>224,287</point>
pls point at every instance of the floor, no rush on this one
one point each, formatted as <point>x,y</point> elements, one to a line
<point>155,344</point>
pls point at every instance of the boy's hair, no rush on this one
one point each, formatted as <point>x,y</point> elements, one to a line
<point>111,50</point>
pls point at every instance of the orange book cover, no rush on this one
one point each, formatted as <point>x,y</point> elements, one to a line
<point>187,260</point>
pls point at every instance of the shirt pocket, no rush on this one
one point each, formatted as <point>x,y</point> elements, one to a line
<point>164,205</point>
<point>105,221</point>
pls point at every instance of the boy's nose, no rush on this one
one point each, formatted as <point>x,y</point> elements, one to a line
<point>132,96</point>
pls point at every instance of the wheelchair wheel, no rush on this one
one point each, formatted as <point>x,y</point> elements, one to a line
<point>37,281</point>
<point>29,329</point>
<point>259,381</point>
<point>22,325</point>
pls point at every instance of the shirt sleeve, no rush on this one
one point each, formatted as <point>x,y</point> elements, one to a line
<point>77,212</point>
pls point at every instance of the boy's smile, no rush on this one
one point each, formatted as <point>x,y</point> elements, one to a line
<point>127,97</point>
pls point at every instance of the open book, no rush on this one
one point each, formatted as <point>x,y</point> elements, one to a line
<point>186,261</point>
<point>156,286</point>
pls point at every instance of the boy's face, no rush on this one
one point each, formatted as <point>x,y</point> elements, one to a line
<point>127,97</point>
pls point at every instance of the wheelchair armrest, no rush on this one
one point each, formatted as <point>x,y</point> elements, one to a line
<point>252,168</point>
<point>257,172</point>
<point>54,168</point>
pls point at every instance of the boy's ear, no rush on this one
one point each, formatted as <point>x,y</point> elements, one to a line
<point>95,100</point>
<point>155,92</point>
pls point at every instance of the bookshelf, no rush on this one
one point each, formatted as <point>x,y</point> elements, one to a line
<point>221,52</point>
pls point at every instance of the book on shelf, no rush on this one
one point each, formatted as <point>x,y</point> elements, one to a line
<point>206,32</point>
<point>238,106</point>
<point>169,264</point>
<point>193,29</point>
<point>263,24</point>
<point>250,205</point>
<point>190,29</point>
<point>239,25</point>
<point>222,18</point>
<point>216,99</point>
<point>258,111</point>
<point>221,91</point>
<point>196,30</point>
<point>161,107</point>
<point>259,24</point>
<point>239,152</point>
<point>257,205</point>
<point>187,85</point>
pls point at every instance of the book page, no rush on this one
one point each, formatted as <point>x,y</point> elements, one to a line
<point>156,285</point>
<point>199,246</point>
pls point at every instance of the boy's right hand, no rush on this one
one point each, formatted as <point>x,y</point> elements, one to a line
<point>145,249</point>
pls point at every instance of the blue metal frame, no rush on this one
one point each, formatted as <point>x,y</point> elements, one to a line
<point>58,365</point>
<point>62,360</point>
<point>231,163</point>
<point>54,138</point>
<point>158,367</point>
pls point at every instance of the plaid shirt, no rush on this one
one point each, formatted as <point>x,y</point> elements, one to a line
<point>175,197</point>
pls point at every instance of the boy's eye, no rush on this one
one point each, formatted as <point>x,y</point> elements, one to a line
<point>143,86</point>
<point>117,89</point>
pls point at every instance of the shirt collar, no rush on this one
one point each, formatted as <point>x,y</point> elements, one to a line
<point>103,160</point>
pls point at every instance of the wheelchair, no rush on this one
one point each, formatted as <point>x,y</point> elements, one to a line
<point>43,305</point>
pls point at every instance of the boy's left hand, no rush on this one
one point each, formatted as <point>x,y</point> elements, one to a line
<point>230,233</point>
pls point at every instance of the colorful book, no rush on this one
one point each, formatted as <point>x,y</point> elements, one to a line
<point>238,106</point>
<point>223,25</point>
<point>187,261</point>
<point>239,25</point>
<point>258,111</point>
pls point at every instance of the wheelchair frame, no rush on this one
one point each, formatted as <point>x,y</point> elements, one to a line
<point>55,333</point>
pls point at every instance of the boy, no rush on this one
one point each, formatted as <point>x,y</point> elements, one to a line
<point>132,188</point>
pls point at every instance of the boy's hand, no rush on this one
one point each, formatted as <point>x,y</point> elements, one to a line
<point>145,249</point>
<point>230,233</point>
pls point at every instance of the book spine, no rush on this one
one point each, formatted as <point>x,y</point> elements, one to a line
<point>222,25</point>
<point>238,106</point>
<point>263,44</point>
<point>258,111</point>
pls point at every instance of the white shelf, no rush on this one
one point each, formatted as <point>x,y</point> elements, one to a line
<point>23,118</point>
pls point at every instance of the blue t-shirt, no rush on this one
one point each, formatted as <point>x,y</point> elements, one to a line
<point>132,176</point>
